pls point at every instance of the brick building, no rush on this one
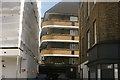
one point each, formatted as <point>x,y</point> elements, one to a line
<point>99,40</point>
<point>59,41</point>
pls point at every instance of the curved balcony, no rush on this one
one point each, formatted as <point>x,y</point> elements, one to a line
<point>66,23</point>
<point>59,52</point>
<point>59,37</point>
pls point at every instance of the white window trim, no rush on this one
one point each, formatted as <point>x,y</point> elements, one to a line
<point>88,39</point>
<point>94,2</point>
<point>88,6</point>
<point>95,32</point>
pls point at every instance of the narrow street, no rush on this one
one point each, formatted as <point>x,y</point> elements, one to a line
<point>59,40</point>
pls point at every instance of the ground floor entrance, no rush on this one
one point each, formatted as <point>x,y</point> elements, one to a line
<point>59,72</point>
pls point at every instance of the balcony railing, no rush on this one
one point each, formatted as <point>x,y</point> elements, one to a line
<point>59,37</point>
<point>59,51</point>
<point>65,23</point>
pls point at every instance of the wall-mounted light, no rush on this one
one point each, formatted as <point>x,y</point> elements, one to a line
<point>4,65</point>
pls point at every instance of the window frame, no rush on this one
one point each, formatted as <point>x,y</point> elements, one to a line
<point>88,39</point>
<point>94,32</point>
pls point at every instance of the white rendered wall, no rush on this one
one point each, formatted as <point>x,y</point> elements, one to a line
<point>9,52</point>
<point>10,58</point>
<point>9,71</point>
<point>9,30</point>
<point>19,30</point>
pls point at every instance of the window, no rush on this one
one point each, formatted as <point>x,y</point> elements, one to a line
<point>73,32</point>
<point>72,18</point>
<point>88,39</point>
<point>94,32</point>
<point>73,61</point>
<point>73,46</point>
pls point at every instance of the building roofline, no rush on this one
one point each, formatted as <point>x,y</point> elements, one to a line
<point>56,9</point>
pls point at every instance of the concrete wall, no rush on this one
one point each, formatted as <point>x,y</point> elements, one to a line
<point>30,29</point>
<point>20,30</point>
<point>30,66</point>
<point>9,28</point>
<point>10,67</point>
<point>30,40</point>
<point>8,57</point>
<point>16,63</point>
<point>9,52</point>
<point>27,62</point>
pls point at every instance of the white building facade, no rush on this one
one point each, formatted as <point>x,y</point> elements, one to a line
<point>19,39</point>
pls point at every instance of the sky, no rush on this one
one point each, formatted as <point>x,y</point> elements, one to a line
<point>46,5</point>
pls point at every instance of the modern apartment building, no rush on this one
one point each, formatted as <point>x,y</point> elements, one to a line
<point>99,40</point>
<point>19,39</point>
<point>59,40</point>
